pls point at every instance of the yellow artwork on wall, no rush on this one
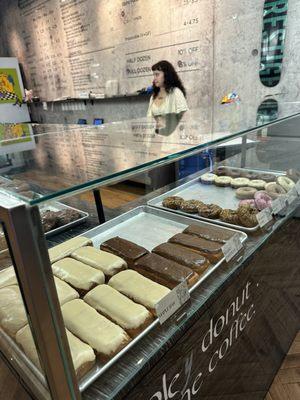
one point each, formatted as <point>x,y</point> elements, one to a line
<point>10,90</point>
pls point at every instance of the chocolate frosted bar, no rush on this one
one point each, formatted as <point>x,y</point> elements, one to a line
<point>212,233</point>
<point>207,248</point>
<point>125,249</point>
<point>164,271</point>
<point>183,256</point>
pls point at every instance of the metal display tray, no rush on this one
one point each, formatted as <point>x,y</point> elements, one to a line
<point>222,196</point>
<point>148,227</point>
<point>160,226</point>
<point>57,206</point>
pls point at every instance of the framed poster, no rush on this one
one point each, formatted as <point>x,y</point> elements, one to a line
<point>10,90</point>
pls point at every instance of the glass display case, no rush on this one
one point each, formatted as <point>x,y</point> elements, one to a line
<point>215,232</point>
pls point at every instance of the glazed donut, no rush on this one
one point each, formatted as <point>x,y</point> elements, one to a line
<point>208,178</point>
<point>250,175</point>
<point>285,182</point>
<point>223,181</point>
<point>274,190</point>
<point>293,174</point>
<point>262,200</point>
<point>239,182</point>
<point>245,193</point>
<point>172,202</point>
<point>211,211</point>
<point>247,216</point>
<point>190,206</point>
<point>251,202</point>
<point>258,184</point>
<point>267,177</point>
<point>230,216</point>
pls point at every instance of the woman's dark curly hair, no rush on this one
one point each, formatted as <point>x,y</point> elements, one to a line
<point>172,80</point>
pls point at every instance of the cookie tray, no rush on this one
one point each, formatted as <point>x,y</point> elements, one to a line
<point>222,196</point>
<point>161,225</point>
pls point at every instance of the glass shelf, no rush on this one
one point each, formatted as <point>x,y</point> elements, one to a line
<point>45,162</point>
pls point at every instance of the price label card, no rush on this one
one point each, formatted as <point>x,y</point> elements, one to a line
<point>264,217</point>
<point>279,204</point>
<point>292,195</point>
<point>298,187</point>
<point>167,306</point>
<point>232,247</point>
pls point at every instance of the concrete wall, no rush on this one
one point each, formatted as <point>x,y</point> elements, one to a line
<point>226,34</point>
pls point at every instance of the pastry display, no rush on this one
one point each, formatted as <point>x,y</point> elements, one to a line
<point>223,181</point>
<point>8,277</point>
<point>106,262</point>
<point>80,276</point>
<point>258,184</point>
<point>285,182</point>
<point>65,249</point>
<point>164,271</point>
<point>208,178</point>
<point>262,200</point>
<point>274,190</point>
<point>239,182</point>
<point>245,193</point>
<point>182,256</point>
<point>125,249</point>
<point>230,216</point>
<point>138,288</point>
<point>211,211</point>
<point>173,202</point>
<point>12,312</point>
<point>55,219</point>
<point>293,174</point>
<point>191,206</point>
<point>211,250</point>
<point>209,232</point>
<point>247,215</point>
<point>132,317</point>
<point>83,355</point>
<point>104,336</point>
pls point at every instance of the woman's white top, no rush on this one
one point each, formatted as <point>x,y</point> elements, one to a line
<point>174,103</point>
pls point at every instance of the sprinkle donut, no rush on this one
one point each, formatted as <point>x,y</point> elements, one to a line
<point>251,202</point>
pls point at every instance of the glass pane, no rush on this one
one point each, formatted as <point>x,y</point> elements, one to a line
<point>71,158</point>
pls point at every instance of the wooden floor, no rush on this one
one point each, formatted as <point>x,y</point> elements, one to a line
<point>286,385</point>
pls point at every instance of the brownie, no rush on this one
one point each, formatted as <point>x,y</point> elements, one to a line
<point>163,271</point>
<point>125,249</point>
<point>182,256</point>
<point>49,220</point>
<point>66,216</point>
<point>209,232</point>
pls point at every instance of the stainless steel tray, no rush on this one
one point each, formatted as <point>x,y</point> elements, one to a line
<point>57,206</point>
<point>161,225</point>
<point>222,196</point>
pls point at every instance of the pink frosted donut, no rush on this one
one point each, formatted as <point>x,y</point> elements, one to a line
<point>251,202</point>
<point>262,200</point>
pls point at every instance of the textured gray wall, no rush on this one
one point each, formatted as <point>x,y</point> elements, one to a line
<point>231,30</point>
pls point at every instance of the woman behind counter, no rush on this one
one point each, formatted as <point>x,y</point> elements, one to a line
<point>168,92</point>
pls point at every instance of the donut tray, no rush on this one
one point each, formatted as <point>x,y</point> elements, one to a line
<point>222,196</point>
<point>161,225</point>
